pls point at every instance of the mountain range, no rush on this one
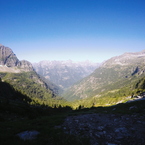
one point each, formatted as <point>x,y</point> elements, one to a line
<point>31,112</point>
<point>120,76</point>
<point>115,80</point>
<point>64,73</point>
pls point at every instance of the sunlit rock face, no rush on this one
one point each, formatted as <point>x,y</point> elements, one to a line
<point>26,65</point>
<point>7,57</point>
<point>8,60</point>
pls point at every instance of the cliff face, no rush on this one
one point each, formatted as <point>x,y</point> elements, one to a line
<point>7,57</point>
<point>25,65</point>
<point>8,60</point>
<point>21,75</point>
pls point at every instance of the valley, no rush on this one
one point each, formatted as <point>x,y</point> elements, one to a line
<point>72,72</point>
<point>64,73</point>
<point>63,102</point>
<point>117,78</point>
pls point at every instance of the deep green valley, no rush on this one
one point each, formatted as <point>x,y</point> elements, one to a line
<point>104,107</point>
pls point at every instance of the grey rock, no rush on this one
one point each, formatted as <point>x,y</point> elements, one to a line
<point>127,118</point>
<point>113,109</point>
<point>98,135</point>
<point>121,129</point>
<point>28,135</point>
<point>115,120</point>
<point>139,122</point>
<point>132,107</point>
<point>104,132</point>
<point>7,57</point>
<point>26,65</point>
<point>100,128</point>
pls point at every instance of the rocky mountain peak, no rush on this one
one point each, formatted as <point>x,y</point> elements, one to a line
<point>8,60</point>
<point>7,57</point>
<point>125,59</point>
<point>26,65</point>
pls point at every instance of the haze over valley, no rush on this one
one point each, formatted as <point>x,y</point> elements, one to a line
<point>62,86</point>
<point>72,72</point>
<point>64,73</point>
<point>120,76</point>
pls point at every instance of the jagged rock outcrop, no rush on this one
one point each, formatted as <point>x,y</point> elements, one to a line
<point>26,65</point>
<point>8,60</point>
<point>7,57</point>
<point>22,76</point>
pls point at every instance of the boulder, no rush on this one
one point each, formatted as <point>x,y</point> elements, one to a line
<point>28,135</point>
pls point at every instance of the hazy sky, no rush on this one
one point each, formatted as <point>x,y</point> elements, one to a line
<point>72,29</point>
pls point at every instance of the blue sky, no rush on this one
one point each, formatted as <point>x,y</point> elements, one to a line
<point>72,29</point>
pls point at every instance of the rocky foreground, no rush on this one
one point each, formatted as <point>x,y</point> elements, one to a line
<point>108,129</point>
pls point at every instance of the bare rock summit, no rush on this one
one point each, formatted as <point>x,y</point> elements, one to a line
<point>9,61</point>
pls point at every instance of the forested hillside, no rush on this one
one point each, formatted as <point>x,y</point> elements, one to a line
<point>22,77</point>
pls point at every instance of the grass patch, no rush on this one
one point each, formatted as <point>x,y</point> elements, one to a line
<point>45,125</point>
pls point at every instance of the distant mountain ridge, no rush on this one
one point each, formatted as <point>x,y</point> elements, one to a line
<point>64,73</point>
<point>124,71</point>
<point>125,59</point>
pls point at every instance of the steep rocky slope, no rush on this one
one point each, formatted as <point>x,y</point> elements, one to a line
<point>114,74</point>
<point>23,78</point>
<point>10,63</point>
<point>7,57</point>
<point>64,73</point>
